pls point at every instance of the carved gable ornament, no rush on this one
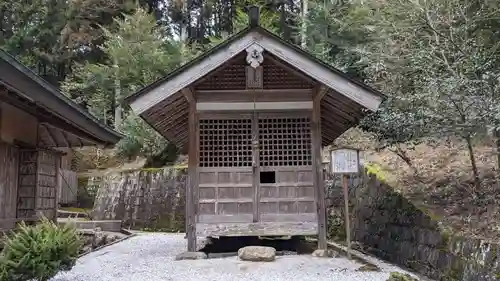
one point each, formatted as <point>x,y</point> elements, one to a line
<point>254,55</point>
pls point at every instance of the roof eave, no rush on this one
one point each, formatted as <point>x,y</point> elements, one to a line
<point>129,99</point>
<point>44,94</point>
<point>263,31</point>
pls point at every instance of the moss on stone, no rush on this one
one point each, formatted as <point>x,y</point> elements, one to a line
<point>397,276</point>
<point>377,170</point>
<point>175,167</point>
<point>452,275</point>
<point>446,239</point>
<point>369,267</point>
<point>455,272</point>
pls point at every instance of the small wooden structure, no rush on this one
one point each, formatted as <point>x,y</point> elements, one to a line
<point>253,114</point>
<point>35,121</point>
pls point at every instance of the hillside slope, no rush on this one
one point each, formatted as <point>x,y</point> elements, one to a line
<point>441,181</point>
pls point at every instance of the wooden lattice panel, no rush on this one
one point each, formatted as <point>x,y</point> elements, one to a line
<point>26,194</point>
<point>285,141</point>
<point>230,76</point>
<point>275,75</point>
<point>225,143</point>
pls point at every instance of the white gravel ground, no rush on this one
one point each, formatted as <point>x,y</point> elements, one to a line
<point>151,257</point>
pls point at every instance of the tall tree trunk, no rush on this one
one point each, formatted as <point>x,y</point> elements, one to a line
<point>283,22</point>
<point>118,101</point>
<point>477,181</point>
<point>184,29</point>
<point>303,39</point>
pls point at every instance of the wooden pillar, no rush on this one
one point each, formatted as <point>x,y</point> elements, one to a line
<point>318,180</point>
<point>192,185</point>
<point>255,167</point>
<point>58,183</point>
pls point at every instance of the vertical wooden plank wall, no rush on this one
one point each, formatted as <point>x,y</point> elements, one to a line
<point>68,187</point>
<point>38,180</point>
<point>47,179</point>
<point>26,194</point>
<point>8,185</point>
<point>318,170</point>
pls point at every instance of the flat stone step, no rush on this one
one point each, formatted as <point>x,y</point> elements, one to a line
<point>71,214</point>
<point>104,225</point>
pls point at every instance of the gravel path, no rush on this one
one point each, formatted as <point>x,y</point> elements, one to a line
<point>151,257</point>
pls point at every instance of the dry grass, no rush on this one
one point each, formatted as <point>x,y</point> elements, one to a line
<point>442,182</point>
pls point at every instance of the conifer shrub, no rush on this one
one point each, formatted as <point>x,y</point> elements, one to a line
<point>39,252</point>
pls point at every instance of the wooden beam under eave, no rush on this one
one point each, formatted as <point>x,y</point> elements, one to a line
<point>80,142</point>
<point>188,94</point>
<point>163,108</point>
<point>332,125</point>
<point>51,135</point>
<point>48,125</point>
<point>320,92</point>
<point>180,114</point>
<point>342,117</point>
<point>254,91</point>
<point>337,98</point>
<point>66,140</point>
<point>176,128</point>
<point>327,131</point>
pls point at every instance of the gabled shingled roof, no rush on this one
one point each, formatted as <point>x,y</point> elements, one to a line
<point>345,100</point>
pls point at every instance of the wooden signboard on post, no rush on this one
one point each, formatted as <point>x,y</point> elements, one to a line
<point>345,161</point>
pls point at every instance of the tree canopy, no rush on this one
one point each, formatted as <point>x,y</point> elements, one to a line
<point>437,60</point>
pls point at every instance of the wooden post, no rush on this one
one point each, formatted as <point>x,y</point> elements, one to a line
<point>58,183</point>
<point>192,185</point>
<point>346,211</point>
<point>319,183</point>
<point>255,167</point>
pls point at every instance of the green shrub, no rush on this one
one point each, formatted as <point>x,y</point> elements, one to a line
<point>336,226</point>
<point>396,276</point>
<point>39,252</point>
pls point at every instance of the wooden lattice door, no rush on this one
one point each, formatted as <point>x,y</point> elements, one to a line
<point>255,168</point>
<point>286,190</point>
<point>226,190</point>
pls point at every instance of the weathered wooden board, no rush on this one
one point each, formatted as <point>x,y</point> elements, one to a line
<point>8,185</point>
<point>28,165</point>
<point>47,183</point>
<point>257,229</point>
<point>234,152</point>
<point>68,187</point>
<point>227,194</point>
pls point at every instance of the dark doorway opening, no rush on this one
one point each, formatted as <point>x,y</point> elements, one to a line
<point>268,177</point>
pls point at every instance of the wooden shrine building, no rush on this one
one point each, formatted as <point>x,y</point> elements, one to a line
<point>253,114</point>
<point>36,120</point>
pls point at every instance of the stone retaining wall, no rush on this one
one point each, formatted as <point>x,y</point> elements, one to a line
<point>146,199</point>
<point>383,222</point>
<point>390,227</point>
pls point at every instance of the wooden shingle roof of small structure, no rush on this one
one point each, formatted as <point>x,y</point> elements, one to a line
<point>63,122</point>
<point>344,101</point>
